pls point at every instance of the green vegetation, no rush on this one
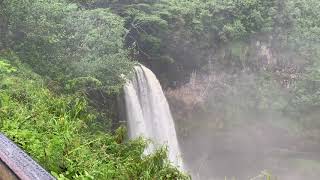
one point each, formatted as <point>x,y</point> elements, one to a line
<point>63,63</point>
<point>61,133</point>
<point>63,42</point>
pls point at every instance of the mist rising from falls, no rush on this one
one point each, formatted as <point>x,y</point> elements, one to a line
<point>148,113</point>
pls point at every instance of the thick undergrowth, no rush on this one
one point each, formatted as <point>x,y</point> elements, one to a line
<point>62,134</point>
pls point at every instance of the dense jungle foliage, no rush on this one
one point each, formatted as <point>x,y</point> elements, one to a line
<point>64,135</point>
<point>63,63</point>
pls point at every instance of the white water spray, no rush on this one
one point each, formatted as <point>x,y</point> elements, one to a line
<point>149,115</point>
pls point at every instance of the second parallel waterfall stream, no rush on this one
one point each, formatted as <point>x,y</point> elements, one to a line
<point>148,114</point>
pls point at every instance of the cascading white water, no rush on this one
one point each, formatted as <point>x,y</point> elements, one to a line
<point>149,115</point>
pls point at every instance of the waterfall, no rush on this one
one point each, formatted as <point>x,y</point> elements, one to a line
<point>148,114</point>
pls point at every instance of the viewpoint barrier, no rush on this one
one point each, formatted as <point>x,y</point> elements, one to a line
<point>15,164</point>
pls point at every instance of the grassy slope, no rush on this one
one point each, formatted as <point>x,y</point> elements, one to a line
<point>57,131</point>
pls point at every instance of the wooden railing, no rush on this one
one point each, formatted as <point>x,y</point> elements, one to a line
<point>16,164</point>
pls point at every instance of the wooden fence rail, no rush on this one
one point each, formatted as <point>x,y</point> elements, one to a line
<point>16,164</point>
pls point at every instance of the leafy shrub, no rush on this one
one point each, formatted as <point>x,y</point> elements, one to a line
<point>6,68</point>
